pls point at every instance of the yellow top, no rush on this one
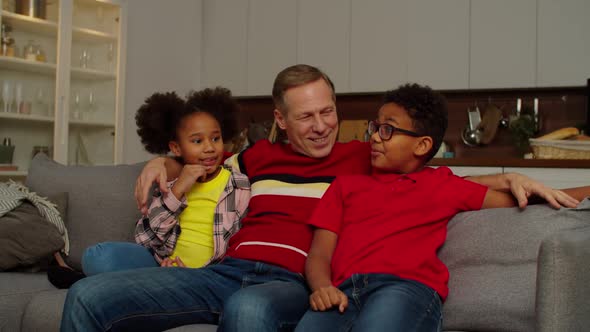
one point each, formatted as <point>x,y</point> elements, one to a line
<point>195,242</point>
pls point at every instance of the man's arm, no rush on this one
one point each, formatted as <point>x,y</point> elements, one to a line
<point>159,170</point>
<point>523,187</point>
<point>318,273</point>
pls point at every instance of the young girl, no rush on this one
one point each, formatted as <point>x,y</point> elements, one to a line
<point>206,201</point>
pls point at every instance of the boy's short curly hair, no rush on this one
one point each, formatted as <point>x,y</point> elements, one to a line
<point>162,113</point>
<point>427,109</point>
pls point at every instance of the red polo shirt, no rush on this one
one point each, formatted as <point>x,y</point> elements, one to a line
<point>394,223</point>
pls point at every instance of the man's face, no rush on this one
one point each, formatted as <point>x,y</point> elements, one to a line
<point>310,119</point>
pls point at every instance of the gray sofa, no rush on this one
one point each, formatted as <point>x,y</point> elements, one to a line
<point>510,270</point>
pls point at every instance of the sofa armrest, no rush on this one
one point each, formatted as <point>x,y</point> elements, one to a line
<point>563,278</point>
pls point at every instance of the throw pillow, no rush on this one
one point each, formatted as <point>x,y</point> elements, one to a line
<point>27,238</point>
<point>101,205</point>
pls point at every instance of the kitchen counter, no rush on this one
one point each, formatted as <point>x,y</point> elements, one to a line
<point>511,162</point>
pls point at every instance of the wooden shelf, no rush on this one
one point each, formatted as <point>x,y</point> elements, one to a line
<point>92,74</point>
<point>92,123</point>
<point>22,65</point>
<point>34,25</point>
<point>26,117</point>
<point>92,36</point>
<point>511,162</point>
<point>13,173</point>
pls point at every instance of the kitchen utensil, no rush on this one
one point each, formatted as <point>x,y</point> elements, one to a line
<point>472,135</point>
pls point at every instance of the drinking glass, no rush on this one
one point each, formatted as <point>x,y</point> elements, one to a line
<point>7,96</point>
<point>91,105</point>
<point>76,107</point>
<point>41,106</point>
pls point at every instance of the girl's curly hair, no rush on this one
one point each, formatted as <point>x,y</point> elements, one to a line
<point>162,113</point>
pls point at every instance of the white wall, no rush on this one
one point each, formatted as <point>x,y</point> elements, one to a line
<point>163,54</point>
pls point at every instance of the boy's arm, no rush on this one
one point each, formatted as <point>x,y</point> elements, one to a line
<point>523,187</point>
<point>158,170</point>
<point>318,272</point>
<point>496,199</point>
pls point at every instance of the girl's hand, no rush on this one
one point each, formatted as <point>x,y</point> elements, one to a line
<point>328,297</point>
<point>189,175</point>
<point>169,262</point>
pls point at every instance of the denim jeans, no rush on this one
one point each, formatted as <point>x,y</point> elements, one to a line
<point>116,256</point>
<point>239,295</point>
<point>380,302</point>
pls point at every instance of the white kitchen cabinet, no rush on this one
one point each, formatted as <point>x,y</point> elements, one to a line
<point>323,38</point>
<point>378,54</point>
<point>564,42</point>
<point>475,170</point>
<point>69,101</point>
<point>555,177</point>
<point>225,45</point>
<point>272,42</point>
<point>503,44</point>
<point>438,43</point>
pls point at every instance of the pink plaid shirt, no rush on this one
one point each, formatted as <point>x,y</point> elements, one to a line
<point>159,230</point>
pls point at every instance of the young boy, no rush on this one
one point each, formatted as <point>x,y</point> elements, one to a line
<point>373,257</point>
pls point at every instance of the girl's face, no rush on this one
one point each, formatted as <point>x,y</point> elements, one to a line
<point>198,141</point>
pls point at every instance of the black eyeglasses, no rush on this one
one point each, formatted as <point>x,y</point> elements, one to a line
<point>386,130</point>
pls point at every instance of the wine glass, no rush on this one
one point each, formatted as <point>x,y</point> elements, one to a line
<point>7,96</point>
<point>40,102</point>
<point>110,57</point>
<point>91,104</point>
<point>76,107</point>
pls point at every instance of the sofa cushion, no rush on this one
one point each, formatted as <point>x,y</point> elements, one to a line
<point>26,237</point>
<point>16,290</point>
<point>44,311</point>
<point>492,261</point>
<point>101,206</point>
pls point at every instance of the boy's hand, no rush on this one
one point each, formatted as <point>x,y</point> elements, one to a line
<point>154,171</point>
<point>189,175</point>
<point>328,297</point>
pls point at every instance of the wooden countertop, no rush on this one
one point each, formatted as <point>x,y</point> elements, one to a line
<point>510,162</point>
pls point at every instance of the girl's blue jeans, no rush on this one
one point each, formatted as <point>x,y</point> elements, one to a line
<point>380,302</point>
<point>116,256</point>
<point>237,294</point>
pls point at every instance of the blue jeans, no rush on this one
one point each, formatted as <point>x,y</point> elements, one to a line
<point>380,302</point>
<point>239,295</point>
<point>116,256</point>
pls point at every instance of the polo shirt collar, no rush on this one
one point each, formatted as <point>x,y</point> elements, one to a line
<point>387,177</point>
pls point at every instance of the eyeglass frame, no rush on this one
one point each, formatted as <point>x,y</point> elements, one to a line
<point>393,129</point>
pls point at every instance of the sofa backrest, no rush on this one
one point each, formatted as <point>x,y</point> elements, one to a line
<point>101,206</point>
<point>492,260</point>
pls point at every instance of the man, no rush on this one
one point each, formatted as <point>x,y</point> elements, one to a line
<point>259,285</point>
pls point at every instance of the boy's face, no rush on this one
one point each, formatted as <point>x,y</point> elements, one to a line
<point>402,152</point>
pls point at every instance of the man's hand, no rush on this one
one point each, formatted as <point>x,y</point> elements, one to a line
<point>189,175</point>
<point>154,171</point>
<point>328,297</point>
<point>523,187</point>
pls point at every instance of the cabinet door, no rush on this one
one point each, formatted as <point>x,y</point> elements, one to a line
<point>272,41</point>
<point>27,86</point>
<point>89,90</point>
<point>225,39</point>
<point>438,43</point>
<point>323,38</point>
<point>378,52</point>
<point>564,42</point>
<point>555,177</point>
<point>503,43</point>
